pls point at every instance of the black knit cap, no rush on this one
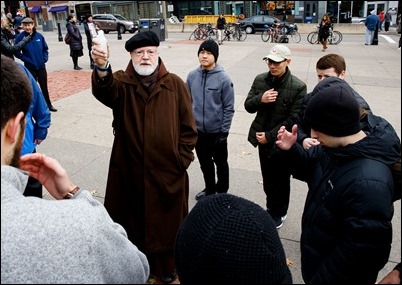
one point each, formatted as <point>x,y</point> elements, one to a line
<point>211,46</point>
<point>333,109</point>
<point>143,39</point>
<point>230,240</point>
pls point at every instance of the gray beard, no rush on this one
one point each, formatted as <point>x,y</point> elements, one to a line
<point>144,70</point>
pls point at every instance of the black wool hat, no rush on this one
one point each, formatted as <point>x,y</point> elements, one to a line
<point>230,240</point>
<point>211,46</point>
<point>143,39</point>
<point>333,109</point>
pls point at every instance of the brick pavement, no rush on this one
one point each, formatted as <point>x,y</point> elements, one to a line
<point>63,83</point>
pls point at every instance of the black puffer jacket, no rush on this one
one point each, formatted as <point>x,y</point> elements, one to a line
<point>270,117</point>
<point>303,129</point>
<point>346,224</point>
<point>76,38</point>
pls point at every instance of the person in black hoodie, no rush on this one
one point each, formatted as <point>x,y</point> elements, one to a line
<point>346,224</point>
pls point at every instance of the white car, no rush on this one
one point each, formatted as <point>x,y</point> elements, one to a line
<point>358,20</point>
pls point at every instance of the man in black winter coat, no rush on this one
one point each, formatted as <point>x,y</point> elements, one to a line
<point>346,224</point>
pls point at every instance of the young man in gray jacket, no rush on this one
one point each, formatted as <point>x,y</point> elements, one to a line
<point>78,241</point>
<point>213,105</point>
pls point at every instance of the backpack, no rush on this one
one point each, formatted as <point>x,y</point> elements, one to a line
<point>67,38</point>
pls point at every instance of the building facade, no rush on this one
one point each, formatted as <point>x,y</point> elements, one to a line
<point>48,13</point>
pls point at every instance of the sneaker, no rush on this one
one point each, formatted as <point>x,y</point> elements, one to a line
<point>283,218</point>
<point>278,222</point>
<point>202,194</point>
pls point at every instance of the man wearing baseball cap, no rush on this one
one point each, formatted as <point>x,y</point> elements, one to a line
<point>155,134</point>
<point>276,97</point>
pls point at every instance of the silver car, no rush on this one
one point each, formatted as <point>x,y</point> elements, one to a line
<point>114,22</point>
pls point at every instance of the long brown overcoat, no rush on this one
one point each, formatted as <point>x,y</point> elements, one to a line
<point>154,137</point>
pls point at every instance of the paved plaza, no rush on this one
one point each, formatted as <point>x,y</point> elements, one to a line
<point>80,136</point>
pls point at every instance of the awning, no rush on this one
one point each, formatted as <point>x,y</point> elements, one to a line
<point>58,9</point>
<point>35,9</point>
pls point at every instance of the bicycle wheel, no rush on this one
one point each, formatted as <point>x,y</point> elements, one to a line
<point>241,35</point>
<point>312,37</point>
<point>336,37</point>
<point>192,36</point>
<point>265,36</point>
<point>198,34</point>
<point>295,36</point>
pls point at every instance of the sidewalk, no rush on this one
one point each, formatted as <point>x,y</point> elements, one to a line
<point>80,136</point>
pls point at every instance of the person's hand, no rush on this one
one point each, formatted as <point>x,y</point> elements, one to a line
<point>261,138</point>
<point>49,173</point>
<point>286,139</point>
<point>394,277</point>
<point>269,96</point>
<point>310,142</point>
<point>99,56</point>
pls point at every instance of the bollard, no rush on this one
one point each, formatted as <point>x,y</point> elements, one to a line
<point>118,33</point>
<point>59,31</point>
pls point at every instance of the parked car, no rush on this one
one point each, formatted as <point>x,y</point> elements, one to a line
<point>259,23</point>
<point>114,22</point>
<point>358,20</point>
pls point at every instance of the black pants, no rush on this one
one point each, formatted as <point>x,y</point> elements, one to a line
<point>34,188</point>
<point>386,26</point>
<point>40,75</point>
<point>210,152</point>
<point>276,181</point>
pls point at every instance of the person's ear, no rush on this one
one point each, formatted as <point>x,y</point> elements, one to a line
<point>342,75</point>
<point>14,126</point>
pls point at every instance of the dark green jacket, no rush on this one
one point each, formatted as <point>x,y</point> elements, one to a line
<point>270,117</point>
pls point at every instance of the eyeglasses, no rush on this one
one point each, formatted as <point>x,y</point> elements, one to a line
<point>276,63</point>
<point>141,53</point>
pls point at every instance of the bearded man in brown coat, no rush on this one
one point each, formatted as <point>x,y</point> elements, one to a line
<point>155,134</point>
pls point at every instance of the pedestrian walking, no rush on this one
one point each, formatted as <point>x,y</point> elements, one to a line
<point>155,135</point>
<point>387,20</point>
<point>35,55</point>
<point>213,98</point>
<point>220,26</point>
<point>381,17</point>
<point>276,96</point>
<point>7,48</point>
<point>323,32</point>
<point>90,32</point>
<point>76,48</point>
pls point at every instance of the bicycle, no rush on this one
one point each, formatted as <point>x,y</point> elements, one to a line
<point>278,33</point>
<point>235,32</point>
<point>203,31</point>
<point>335,37</point>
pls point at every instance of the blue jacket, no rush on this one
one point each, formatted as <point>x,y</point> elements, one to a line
<point>38,116</point>
<point>35,54</point>
<point>213,99</point>
<point>372,22</point>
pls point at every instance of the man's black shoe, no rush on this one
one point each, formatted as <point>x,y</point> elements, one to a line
<point>77,68</point>
<point>201,194</point>
<point>52,109</point>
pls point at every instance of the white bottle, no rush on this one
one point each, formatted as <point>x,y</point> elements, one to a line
<point>102,40</point>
